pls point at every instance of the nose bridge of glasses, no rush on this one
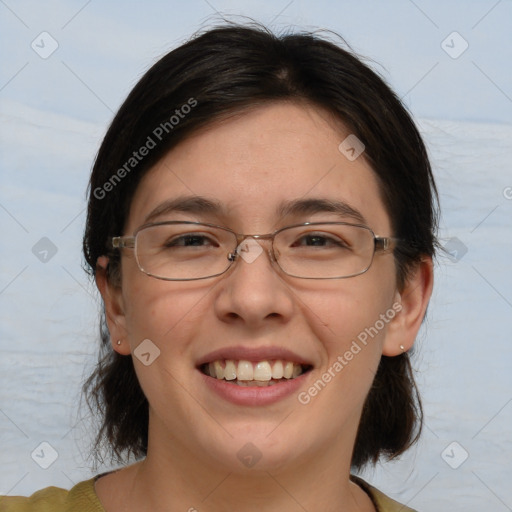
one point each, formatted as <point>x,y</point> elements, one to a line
<point>249,247</point>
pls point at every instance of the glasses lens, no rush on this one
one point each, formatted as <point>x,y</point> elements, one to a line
<point>324,251</point>
<point>183,251</point>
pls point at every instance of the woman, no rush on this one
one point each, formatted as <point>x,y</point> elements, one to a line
<point>261,227</point>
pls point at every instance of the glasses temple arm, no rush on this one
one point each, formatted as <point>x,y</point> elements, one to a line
<point>386,243</point>
<point>120,242</point>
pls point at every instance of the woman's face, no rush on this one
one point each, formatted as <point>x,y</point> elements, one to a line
<point>250,166</point>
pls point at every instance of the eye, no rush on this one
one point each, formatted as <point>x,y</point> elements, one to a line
<point>320,240</point>
<point>190,240</point>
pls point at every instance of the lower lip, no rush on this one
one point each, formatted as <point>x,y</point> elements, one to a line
<point>254,395</point>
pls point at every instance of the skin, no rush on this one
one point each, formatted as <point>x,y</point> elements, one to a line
<point>250,163</point>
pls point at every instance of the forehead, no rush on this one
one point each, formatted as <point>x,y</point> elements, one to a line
<point>254,164</point>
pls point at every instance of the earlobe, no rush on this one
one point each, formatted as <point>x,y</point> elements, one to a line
<point>413,300</point>
<point>114,307</point>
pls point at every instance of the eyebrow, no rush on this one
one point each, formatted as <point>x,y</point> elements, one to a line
<point>187,204</point>
<point>204,206</point>
<point>319,205</point>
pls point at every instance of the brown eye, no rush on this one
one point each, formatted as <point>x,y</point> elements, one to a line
<point>191,240</point>
<point>319,240</point>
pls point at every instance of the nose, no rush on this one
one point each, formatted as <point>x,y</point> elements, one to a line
<point>253,292</point>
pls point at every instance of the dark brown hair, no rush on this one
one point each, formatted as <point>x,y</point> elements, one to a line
<point>220,73</point>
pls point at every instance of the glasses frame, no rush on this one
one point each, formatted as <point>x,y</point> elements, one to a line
<point>381,244</point>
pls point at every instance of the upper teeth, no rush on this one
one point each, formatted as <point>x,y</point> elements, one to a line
<point>247,370</point>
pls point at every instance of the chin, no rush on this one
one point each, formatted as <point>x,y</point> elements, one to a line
<point>269,448</point>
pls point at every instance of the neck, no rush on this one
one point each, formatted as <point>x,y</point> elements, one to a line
<point>175,478</point>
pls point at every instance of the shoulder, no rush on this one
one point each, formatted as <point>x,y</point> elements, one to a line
<point>81,498</point>
<point>382,502</point>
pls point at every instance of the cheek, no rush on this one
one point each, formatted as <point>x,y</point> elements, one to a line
<point>341,312</point>
<point>349,324</point>
<point>350,320</point>
<point>169,315</point>
<point>165,312</point>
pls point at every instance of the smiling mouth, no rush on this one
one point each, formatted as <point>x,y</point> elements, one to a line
<point>248,373</point>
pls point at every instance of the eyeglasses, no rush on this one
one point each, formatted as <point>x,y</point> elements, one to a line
<point>186,251</point>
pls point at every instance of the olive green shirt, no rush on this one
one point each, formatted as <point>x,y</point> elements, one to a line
<point>82,498</point>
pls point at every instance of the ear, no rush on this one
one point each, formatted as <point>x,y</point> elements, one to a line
<point>114,307</point>
<point>411,305</point>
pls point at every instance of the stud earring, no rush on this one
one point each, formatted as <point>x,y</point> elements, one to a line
<point>402,348</point>
<point>119,342</point>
